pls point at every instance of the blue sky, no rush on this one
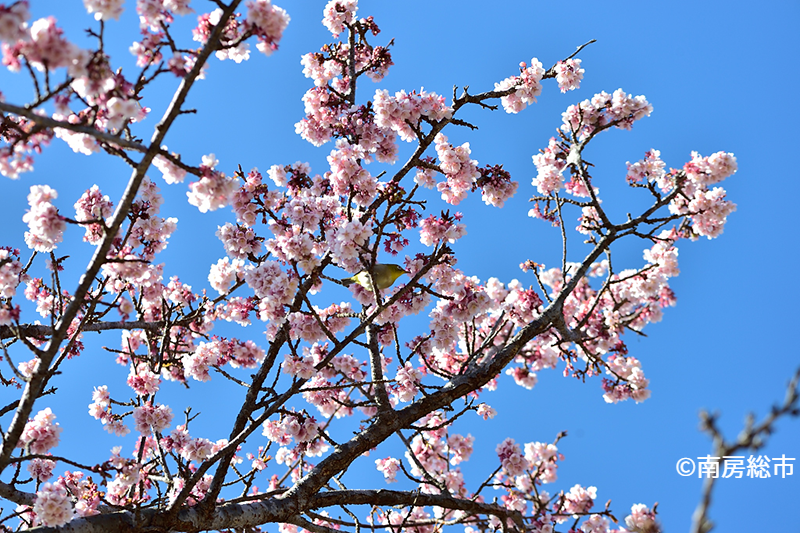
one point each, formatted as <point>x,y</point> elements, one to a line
<point>721,76</point>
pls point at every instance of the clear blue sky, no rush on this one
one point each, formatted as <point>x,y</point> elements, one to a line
<point>720,75</point>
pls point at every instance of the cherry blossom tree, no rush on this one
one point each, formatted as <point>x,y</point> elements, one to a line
<point>322,383</point>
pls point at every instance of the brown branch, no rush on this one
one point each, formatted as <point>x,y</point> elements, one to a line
<point>752,437</point>
<point>78,128</point>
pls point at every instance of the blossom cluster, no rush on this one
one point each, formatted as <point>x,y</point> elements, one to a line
<point>291,230</point>
<point>113,101</point>
<point>41,434</point>
<point>550,165</point>
<point>46,226</point>
<point>603,111</point>
<point>402,112</point>
<point>100,409</point>
<point>11,272</point>
<point>569,74</point>
<point>460,171</point>
<point>526,87</point>
<point>707,208</point>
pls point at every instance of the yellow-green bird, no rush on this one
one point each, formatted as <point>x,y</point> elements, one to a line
<point>384,276</point>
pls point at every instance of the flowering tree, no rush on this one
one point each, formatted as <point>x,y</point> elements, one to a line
<point>317,369</point>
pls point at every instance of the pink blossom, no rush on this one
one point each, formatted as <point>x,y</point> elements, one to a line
<point>434,230</point>
<point>239,241</point>
<point>345,238</point>
<point>523,377</point>
<point>579,500</point>
<point>542,457</point>
<point>348,177</point>
<point>147,418</point>
<point>425,178</point>
<point>705,171</point>
<point>180,66</point>
<point>197,449</point>
<point>23,139</point>
<point>45,224</point>
<point>496,185</point>
<point>104,9</point>
<point>447,280</point>
<point>710,211</point>
<point>179,7</point>
<point>322,109</point>
<point>523,305</point>
<point>40,434</point>
<point>237,310</point>
<point>337,13</point>
<point>274,287</point>
<point>327,401</point>
<point>13,20</point>
<point>152,233</point>
<point>458,168</point>
<point>148,200</point>
<point>596,524</point>
<point>603,111</point>
<point>47,49</point>
<point>302,429</point>
<point>120,111</point>
<point>311,206</point>
<point>41,469</point>
<point>92,205</point>
<point>511,457</point>
<point>131,269</point>
<point>589,220</point>
<point>83,490</point>
<point>527,86</point>
<point>294,246</point>
<point>664,254</point>
<point>179,293</point>
<point>143,381</point>
<point>238,53</point>
<point>460,447</point>
<point>98,411</point>
<point>650,169</point>
<point>266,22</point>
<point>407,383</point>
<point>152,14</point>
<point>249,199</point>
<point>707,209</point>
<point>225,273</point>
<point>245,354</point>
<point>398,111</point>
<point>52,505</point>
<point>569,74</point>
<point>319,69</point>
<point>642,520</point>
<point>10,272</point>
<point>389,467</point>
<point>304,326</point>
<point>274,432</point>
<point>37,291</point>
<point>101,396</point>
<point>429,452</point>
<point>148,51</point>
<point>27,368</point>
<point>214,189</point>
<point>635,384</point>
<point>93,81</point>
<point>300,367</point>
<point>549,165</point>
